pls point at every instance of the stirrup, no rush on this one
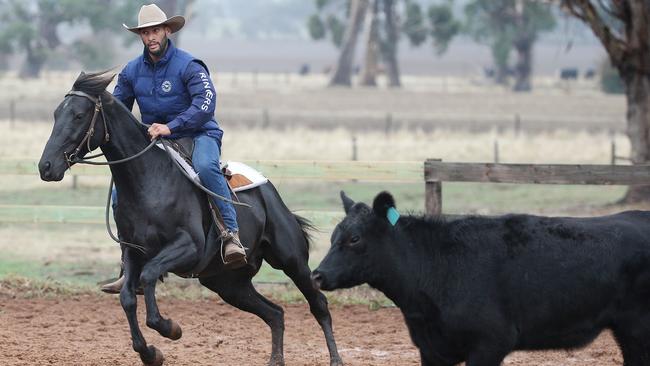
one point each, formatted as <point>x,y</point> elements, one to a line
<point>229,237</point>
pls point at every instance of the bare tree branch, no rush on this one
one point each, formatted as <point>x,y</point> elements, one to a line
<point>585,11</point>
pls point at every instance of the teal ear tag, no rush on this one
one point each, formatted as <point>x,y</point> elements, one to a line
<point>392,215</point>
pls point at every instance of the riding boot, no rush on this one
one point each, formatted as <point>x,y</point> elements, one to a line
<point>115,286</point>
<point>234,255</point>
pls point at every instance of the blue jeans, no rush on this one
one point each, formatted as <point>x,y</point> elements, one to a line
<point>205,158</point>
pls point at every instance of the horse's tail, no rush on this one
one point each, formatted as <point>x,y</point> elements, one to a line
<point>306,226</point>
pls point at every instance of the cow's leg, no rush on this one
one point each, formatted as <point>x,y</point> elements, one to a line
<point>179,255</point>
<point>239,292</point>
<point>300,274</point>
<point>487,355</point>
<point>428,360</point>
<point>132,268</point>
<point>634,340</point>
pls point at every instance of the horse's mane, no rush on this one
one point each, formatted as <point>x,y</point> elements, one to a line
<point>93,83</point>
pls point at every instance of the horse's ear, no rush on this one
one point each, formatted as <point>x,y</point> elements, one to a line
<point>347,202</point>
<point>382,203</point>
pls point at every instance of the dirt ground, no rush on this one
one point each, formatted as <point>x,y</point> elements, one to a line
<point>92,330</point>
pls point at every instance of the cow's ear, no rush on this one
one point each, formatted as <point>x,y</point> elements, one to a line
<point>382,203</point>
<point>347,202</point>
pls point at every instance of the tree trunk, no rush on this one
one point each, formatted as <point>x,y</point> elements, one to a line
<point>523,69</point>
<point>638,127</point>
<point>34,61</point>
<point>370,67</point>
<point>390,47</point>
<point>342,75</point>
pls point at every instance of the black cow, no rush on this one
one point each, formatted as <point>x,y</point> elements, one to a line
<point>476,288</point>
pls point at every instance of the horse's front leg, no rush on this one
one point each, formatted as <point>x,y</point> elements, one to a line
<point>181,254</point>
<point>132,270</point>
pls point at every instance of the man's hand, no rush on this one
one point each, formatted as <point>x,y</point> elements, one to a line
<point>158,129</point>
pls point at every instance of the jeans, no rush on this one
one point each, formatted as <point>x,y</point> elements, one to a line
<point>205,158</point>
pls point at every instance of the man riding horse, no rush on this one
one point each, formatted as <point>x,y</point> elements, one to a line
<point>177,98</point>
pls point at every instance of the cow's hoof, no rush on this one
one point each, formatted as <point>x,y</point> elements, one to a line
<point>175,332</point>
<point>158,358</point>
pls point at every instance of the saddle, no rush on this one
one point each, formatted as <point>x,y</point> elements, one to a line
<point>240,177</point>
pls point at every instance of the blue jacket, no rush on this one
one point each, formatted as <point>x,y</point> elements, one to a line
<point>176,90</point>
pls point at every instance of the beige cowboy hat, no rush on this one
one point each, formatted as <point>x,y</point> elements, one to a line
<point>151,15</point>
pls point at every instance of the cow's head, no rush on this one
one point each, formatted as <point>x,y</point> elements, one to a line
<point>358,243</point>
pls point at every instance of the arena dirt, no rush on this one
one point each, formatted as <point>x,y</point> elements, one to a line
<point>92,330</point>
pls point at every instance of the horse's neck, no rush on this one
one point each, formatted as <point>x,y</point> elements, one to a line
<point>126,139</point>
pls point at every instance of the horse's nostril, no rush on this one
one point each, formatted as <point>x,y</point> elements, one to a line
<point>47,165</point>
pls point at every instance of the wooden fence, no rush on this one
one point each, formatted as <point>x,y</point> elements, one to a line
<point>322,171</point>
<point>436,172</point>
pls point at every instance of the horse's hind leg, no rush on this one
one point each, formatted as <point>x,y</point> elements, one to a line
<point>149,355</point>
<point>239,292</point>
<point>300,275</point>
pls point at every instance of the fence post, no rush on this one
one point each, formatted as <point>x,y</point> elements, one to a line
<point>517,124</point>
<point>354,148</point>
<point>432,195</point>
<point>496,151</point>
<point>613,153</point>
<point>266,118</point>
<point>12,113</point>
<point>75,182</point>
<point>389,123</point>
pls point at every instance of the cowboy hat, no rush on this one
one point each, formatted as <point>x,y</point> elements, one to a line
<point>152,15</point>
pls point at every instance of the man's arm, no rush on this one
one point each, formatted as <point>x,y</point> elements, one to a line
<point>204,99</point>
<point>124,90</point>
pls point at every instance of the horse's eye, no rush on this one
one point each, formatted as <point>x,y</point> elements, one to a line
<point>355,239</point>
<point>78,116</point>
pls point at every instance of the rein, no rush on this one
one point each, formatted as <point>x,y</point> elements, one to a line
<point>73,159</point>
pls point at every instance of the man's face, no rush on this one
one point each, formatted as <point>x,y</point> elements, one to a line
<point>155,39</point>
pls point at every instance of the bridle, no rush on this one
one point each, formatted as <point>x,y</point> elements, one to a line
<point>72,158</point>
<point>99,107</point>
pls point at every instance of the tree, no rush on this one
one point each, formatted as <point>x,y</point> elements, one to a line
<point>31,27</point>
<point>622,27</point>
<point>383,29</point>
<point>506,25</point>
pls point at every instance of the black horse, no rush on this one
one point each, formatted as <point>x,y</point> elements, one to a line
<point>160,210</point>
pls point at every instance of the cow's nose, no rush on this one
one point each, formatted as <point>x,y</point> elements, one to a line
<point>316,280</point>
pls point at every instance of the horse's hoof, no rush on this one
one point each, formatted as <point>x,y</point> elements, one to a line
<point>158,358</point>
<point>276,361</point>
<point>336,362</point>
<point>175,332</point>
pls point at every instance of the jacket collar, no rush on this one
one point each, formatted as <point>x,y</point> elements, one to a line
<point>169,53</point>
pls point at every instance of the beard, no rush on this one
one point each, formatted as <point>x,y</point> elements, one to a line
<point>162,47</point>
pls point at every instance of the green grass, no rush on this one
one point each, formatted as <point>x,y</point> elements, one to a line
<point>458,198</point>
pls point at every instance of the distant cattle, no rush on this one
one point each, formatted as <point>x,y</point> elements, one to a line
<point>476,288</point>
<point>570,73</point>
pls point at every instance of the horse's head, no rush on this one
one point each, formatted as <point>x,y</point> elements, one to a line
<point>79,126</point>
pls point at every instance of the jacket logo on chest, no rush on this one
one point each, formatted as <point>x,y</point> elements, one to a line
<point>166,86</point>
